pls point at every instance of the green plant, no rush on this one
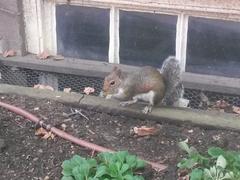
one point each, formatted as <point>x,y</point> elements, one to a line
<point>106,166</point>
<point>217,164</point>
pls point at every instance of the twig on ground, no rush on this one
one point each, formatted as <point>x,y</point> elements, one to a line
<point>76,111</point>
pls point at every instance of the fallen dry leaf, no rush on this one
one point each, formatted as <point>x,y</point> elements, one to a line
<point>43,55</point>
<point>58,57</point>
<point>145,131</point>
<point>9,53</point>
<point>46,178</point>
<point>158,167</point>
<point>44,133</point>
<point>67,90</point>
<point>88,90</point>
<point>41,86</point>
<point>236,109</point>
<point>63,126</point>
<point>184,177</point>
<point>221,104</point>
<point>183,174</point>
<point>36,109</point>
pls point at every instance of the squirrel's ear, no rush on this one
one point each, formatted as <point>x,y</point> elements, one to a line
<point>118,72</point>
<point>115,68</point>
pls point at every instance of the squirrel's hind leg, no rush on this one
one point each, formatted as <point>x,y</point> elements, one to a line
<point>147,109</point>
<point>147,97</point>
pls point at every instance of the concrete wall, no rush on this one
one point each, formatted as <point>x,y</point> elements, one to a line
<point>229,4</point>
<point>11,26</point>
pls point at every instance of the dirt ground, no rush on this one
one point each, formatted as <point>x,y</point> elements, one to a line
<point>23,155</point>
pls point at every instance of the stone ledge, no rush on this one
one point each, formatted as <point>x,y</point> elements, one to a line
<point>163,114</point>
<point>88,68</point>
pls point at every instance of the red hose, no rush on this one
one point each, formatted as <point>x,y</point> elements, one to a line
<point>67,136</point>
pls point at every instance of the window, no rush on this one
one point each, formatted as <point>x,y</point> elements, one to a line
<point>146,38</point>
<point>82,32</point>
<point>213,47</point>
<point>120,32</point>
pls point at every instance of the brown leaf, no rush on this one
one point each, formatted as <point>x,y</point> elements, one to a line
<point>236,109</point>
<point>145,131</point>
<point>63,126</point>
<point>9,53</point>
<point>67,90</point>
<point>221,104</point>
<point>40,131</point>
<point>58,57</point>
<point>41,86</point>
<point>184,177</point>
<point>44,133</point>
<point>88,90</point>
<point>43,55</point>
<point>183,174</point>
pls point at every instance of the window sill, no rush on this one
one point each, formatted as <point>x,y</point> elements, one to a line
<point>101,69</point>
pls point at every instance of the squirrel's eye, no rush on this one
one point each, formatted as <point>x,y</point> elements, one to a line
<point>112,83</point>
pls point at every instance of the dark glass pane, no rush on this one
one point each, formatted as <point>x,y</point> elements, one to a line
<point>213,47</point>
<point>146,38</point>
<point>82,32</point>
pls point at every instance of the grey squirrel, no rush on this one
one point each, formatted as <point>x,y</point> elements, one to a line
<point>147,84</point>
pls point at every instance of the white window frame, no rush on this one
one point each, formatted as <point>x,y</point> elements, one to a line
<point>40,21</point>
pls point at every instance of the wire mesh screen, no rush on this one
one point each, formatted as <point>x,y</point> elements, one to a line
<point>29,78</point>
<point>197,100</point>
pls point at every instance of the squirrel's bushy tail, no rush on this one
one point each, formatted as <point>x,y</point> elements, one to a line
<point>171,72</point>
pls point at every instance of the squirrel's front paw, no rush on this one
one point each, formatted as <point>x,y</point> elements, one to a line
<point>123,104</point>
<point>109,96</point>
<point>147,109</point>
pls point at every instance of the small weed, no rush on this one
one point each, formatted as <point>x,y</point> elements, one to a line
<point>106,166</point>
<point>217,164</point>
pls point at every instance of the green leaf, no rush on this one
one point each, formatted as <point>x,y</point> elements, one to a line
<point>207,174</point>
<point>138,178</point>
<point>101,170</point>
<point>221,162</point>
<point>113,170</point>
<point>184,146</point>
<point>124,168</point>
<point>213,171</point>
<point>106,157</point>
<point>92,162</point>
<point>196,174</point>
<point>77,160</point>
<point>67,178</point>
<point>121,156</point>
<point>67,168</point>
<point>140,164</point>
<point>129,177</point>
<point>131,160</point>
<point>92,178</point>
<point>78,175</point>
<point>215,151</point>
<point>229,175</point>
<point>187,163</point>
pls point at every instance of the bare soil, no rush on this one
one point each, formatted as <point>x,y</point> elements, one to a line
<point>23,155</point>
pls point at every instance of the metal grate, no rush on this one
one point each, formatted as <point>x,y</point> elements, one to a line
<point>196,102</point>
<point>29,78</point>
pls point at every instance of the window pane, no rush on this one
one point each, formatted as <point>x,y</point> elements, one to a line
<point>82,32</point>
<point>146,38</point>
<point>213,47</point>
